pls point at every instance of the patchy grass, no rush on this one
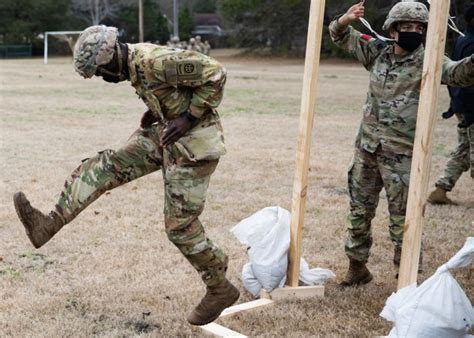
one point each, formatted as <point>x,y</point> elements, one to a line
<point>112,271</point>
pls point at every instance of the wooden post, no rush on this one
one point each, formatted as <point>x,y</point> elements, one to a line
<point>308,105</point>
<point>421,163</point>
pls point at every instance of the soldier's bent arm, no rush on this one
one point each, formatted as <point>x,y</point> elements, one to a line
<point>458,73</point>
<point>364,47</point>
<point>204,74</point>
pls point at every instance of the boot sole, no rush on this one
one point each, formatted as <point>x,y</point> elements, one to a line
<point>18,199</point>
<point>366,280</point>
<point>216,316</point>
<point>439,202</point>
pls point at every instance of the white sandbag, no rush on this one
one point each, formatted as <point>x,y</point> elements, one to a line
<point>437,308</point>
<point>314,276</point>
<point>266,234</point>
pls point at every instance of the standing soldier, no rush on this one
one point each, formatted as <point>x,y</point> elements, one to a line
<point>194,46</point>
<point>173,42</point>
<point>207,47</point>
<point>180,134</point>
<point>200,44</point>
<point>462,105</point>
<point>384,144</point>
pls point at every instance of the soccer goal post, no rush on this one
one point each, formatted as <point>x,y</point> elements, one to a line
<point>46,34</point>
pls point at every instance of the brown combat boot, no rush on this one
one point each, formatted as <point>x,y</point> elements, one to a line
<point>39,227</point>
<point>357,274</point>
<point>217,298</point>
<point>438,196</point>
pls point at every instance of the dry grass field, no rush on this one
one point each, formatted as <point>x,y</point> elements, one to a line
<point>113,273</point>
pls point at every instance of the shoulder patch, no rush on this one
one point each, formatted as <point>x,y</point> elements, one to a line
<point>366,37</point>
<point>182,70</point>
<point>189,69</point>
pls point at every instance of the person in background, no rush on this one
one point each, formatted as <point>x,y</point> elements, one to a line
<point>461,105</point>
<point>384,143</point>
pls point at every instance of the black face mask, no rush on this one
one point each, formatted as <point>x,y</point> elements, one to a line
<point>409,41</point>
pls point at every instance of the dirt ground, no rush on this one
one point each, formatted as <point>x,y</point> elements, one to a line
<point>113,272</point>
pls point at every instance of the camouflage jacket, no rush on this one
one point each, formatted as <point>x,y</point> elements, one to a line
<point>169,81</point>
<point>390,110</point>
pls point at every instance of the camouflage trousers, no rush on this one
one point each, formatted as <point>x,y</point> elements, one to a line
<point>368,174</point>
<point>185,183</point>
<point>460,160</point>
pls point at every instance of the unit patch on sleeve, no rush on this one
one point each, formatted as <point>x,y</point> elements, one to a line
<point>189,69</point>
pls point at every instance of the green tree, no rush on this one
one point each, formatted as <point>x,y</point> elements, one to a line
<point>279,26</point>
<point>155,24</point>
<point>23,21</point>
<point>186,24</point>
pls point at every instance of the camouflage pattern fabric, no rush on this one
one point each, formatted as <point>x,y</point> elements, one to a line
<point>169,81</point>
<point>384,143</point>
<point>460,160</point>
<point>94,47</point>
<point>406,11</point>
<point>368,174</point>
<point>186,182</point>
<point>390,110</point>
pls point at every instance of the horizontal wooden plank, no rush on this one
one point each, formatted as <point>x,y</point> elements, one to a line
<point>245,306</point>
<point>299,292</point>
<point>220,331</point>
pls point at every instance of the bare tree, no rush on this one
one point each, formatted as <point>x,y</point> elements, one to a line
<point>94,11</point>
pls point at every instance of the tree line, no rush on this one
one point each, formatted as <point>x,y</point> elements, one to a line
<point>266,26</point>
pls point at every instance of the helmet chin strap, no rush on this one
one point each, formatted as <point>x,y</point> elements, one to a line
<point>119,73</point>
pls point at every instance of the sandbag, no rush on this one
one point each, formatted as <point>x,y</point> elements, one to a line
<point>266,234</point>
<point>438,308</point>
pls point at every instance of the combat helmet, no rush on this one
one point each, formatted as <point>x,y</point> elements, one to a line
<point>406,11</point>
<point>95,47</point>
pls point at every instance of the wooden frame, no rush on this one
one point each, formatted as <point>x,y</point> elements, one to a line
<point>421,163</point>
<point>300,183</point>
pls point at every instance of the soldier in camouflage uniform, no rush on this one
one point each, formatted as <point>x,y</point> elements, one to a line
<point>173,42</point>
<point>384,144</point>
<point>193,45</point>
<point>461,105</point>
<point>180,134</point>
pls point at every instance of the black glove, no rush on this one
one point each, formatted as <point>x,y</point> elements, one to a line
<point>148,119</point>
<point>448,114</point>
<point>177,128</point>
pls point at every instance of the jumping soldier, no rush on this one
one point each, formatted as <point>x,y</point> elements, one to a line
<point>180,134</point>
<point>462,105</point>
<point>384,144</point>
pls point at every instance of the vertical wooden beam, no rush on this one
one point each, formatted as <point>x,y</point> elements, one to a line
<point>421,163</point>
<point>308,105</point>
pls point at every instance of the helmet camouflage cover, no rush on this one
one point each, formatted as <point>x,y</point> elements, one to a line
<point>406,11</point>
<point>95,47</point>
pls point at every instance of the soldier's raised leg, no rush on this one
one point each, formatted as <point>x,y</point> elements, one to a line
<point>186,185</point>
<point>94,176</point>
<point>365,184</point>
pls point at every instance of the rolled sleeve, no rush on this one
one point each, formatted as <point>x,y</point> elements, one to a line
<point>458,73</point>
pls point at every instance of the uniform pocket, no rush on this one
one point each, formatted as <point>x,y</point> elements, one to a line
<point>203,142</point>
